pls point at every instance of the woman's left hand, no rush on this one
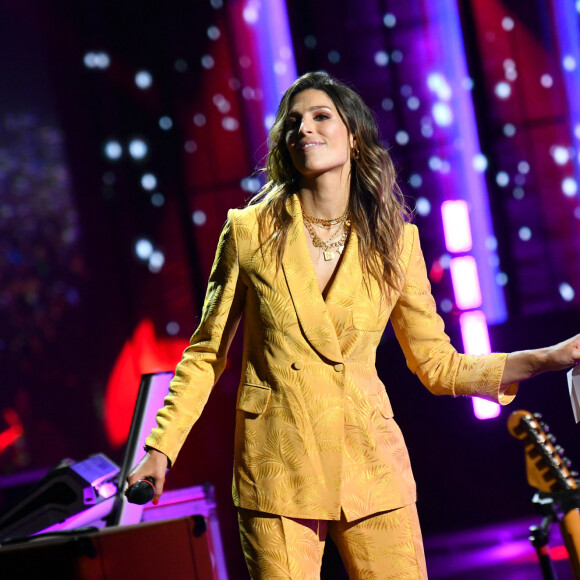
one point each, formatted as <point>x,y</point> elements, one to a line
<point>563,355</point>
<point>524,364</point>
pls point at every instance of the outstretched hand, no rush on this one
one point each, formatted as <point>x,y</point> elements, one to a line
<point>563,355</point>
<point>524,364</point>
<point>154,465</point>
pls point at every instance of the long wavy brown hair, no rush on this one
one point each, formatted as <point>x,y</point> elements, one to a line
<point>377,206</point>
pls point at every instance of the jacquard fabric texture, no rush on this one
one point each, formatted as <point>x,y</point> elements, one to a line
<point>384,546</point>
<point>314,427</point>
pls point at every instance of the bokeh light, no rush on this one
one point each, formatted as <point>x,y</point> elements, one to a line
<point>138,149</point>
<point>143,79</point>
<point>113,150</point>
<point>148,181</point>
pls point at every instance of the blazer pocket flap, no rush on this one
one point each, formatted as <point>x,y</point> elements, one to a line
<point>254,398</point>
<point>384,405</point>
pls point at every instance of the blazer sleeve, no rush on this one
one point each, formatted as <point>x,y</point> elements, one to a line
<point>428,351</point>
<point>204,359</point>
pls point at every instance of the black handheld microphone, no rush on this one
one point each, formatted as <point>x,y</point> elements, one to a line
<point>142,491</point>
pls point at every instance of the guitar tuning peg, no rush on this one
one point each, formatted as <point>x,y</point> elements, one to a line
<point>559,450</point>
<point>574,474</point>
<point>538,415</point>
<point>566,462</point>
<point>550,437</point>
<point>545,427</point>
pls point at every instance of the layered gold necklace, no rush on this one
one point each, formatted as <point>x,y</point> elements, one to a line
<point>337,238</point>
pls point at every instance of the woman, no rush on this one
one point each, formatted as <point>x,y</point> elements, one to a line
<point>318,263</point>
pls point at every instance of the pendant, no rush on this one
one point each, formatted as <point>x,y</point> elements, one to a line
<point>328,255</point>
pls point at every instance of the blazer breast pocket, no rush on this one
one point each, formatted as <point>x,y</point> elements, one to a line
<point>254,398</point>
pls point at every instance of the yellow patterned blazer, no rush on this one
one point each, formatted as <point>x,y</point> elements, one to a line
<point>314,430</point>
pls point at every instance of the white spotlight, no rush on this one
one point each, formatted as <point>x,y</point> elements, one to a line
<point>415,180</point>
<point>251,13</point>
<point>503,90</point>
<point>143,249</point>
<point>165,123</point>
<point>138,149</point>
<point>442,114</point>
<point>423,206</point>
<point>507,23</point>
<point>502,178</point>
<point>207,61</point>
<point>198,217</point>
<point>389,20</point>
<point>381,58</point>
<point>156,261</point>
<point>566,291</point>
<point>523,167</point>
<point>402,137</point>
<point>143,79</point>
<point>90,60</point>
<point>148,181</point>
<point>569,187</point>
<point>97,60</point>
<point>509,129</point>
<point>102,60</point>
<point>438,84</point>
<point>213,32</point>
<point>230,124</point>
<point>251,184</point>
<point>479,162</point>
<point>560,154</point>
<point>569,63</point>
<point>113,150</point>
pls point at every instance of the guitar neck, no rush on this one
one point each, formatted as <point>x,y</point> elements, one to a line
<point>548,472</point>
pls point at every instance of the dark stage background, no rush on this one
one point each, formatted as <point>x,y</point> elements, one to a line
<point>126,132</point>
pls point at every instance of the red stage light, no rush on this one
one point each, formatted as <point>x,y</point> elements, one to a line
<point>143,353</point>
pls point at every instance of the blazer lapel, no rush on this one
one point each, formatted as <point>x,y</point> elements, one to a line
<point>300,276</point>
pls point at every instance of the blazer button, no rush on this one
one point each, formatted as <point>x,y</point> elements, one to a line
<point>338,367</point>
<point>298,365</point>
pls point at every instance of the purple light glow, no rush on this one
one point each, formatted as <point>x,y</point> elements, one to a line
<point>456,226</point>
<point>478,552</point>
<point>484,409</point>
<point>465,282</point>
<point>273,44</point>
<point>107,489</point>
<point>568,37</point>
<point>476,341</point>
<point>446,80</point>
<point>474,332</point>
<point>473,276</point>
<point>261,34</point>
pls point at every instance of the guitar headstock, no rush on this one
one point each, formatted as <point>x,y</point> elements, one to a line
<point>546,469</point>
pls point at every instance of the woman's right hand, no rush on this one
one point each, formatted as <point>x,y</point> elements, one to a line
<point>154,464</point>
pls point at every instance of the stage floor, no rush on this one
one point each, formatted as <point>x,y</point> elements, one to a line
<point>496,552</point>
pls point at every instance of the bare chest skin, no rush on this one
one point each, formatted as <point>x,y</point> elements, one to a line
<point>324,270</point>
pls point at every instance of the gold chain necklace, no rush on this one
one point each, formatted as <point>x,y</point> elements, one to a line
<point>327,246</point>
<point>326,223</point>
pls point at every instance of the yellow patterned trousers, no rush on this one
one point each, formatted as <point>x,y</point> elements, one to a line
<point>384,546</point>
